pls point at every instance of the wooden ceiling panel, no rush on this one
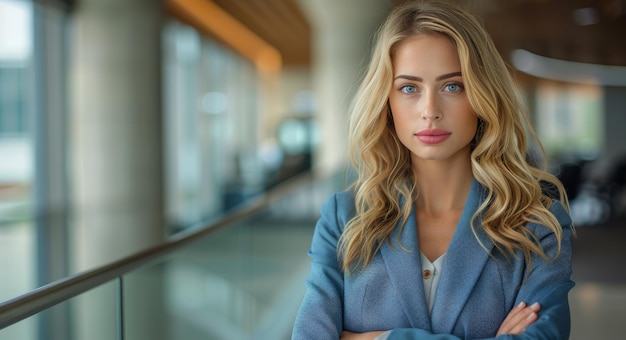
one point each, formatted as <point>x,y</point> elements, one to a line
<point>280,23</point>
<point>589,31</point>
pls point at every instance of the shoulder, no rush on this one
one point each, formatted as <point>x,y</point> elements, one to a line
<point>558,210</point>
<point>340,204</point>
<point>562,217</point>
<point>336,211</point>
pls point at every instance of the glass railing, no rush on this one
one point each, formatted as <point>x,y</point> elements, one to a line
<point>241,277</point>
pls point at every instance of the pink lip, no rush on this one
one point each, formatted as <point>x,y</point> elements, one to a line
<point>433,136</point>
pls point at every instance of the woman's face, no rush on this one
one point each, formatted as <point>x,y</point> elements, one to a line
<point>431,112</point>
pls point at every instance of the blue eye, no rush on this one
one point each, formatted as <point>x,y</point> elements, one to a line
<point>453,87</point>
<point>408,89</point>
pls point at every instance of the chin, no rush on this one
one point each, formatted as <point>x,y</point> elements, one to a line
<point>441,155</point>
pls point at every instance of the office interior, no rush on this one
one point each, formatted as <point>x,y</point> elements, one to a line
<point>125,124</point>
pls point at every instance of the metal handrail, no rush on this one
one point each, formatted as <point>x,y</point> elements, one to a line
<point>37,300</point>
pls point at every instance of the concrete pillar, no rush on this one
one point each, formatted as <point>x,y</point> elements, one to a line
<point>117,130</point>
<point>116,153</point>
<point>342,33</point>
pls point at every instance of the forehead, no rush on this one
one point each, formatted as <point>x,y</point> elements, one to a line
<point>424,52</point>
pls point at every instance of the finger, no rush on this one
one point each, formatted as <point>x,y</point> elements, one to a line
<point>345,335</point>
<point>535,307</point>
<point>522,324</point>
<point>522,319</point>
<point>508,322</point>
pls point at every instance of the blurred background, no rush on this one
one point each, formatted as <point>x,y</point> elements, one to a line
<point>124,123</point>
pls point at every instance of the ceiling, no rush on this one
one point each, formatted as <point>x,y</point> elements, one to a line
<point>280,23</point>
<point>589,31</point>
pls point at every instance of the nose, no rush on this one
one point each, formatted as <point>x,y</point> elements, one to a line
<point>431,110</point>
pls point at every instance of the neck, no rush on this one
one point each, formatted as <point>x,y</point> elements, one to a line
<point>443,186</point>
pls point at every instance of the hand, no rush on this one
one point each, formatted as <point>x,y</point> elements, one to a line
<point>519,318</point>
<point>359,336</point>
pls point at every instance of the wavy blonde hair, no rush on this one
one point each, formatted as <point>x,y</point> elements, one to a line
<point>385,188</point>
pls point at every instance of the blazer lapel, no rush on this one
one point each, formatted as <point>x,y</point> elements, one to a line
<point>404,269</point>
<point>463,265</point>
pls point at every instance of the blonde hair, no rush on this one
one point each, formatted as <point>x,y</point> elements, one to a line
<point>385,189</point>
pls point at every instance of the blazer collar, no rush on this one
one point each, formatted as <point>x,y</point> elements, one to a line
<point>467,254</point>
<point>405,272</point>
<point>464,261</point>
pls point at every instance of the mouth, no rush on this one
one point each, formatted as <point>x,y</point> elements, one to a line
<point>433,136</point>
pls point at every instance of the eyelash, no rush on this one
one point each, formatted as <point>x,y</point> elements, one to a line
<point>460,86</point>
<point>403,87</point>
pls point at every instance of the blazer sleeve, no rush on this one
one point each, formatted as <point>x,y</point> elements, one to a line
<point>320,315</point>
<point>548,283</point>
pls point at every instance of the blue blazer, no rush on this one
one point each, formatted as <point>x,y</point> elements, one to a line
<point>478,287</point>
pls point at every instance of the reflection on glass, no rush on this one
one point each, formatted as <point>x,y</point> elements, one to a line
<point>243,282</point>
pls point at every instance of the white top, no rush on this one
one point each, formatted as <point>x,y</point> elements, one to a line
<point>431,273</point>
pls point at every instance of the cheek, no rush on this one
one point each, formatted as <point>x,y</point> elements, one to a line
<point>400,123</point>
<point>469,120</point>
<point>473,123</point>
<point>403,132</point>
<point>398,114</point>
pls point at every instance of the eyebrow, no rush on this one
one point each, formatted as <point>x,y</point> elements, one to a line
<point>441,77</point>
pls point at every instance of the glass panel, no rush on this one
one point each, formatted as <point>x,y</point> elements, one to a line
<point>145,314</point>
<point>93,316</point>
<point>24,330</point>
<point>17,258</point>
<point>243,282</point>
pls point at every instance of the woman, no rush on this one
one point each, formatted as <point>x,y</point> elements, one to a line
<point>448,231</point>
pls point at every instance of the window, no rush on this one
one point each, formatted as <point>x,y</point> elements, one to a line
<point>569,119</point>
<point>17,227</point>
<point>32,150</point>
<point>211,115</point>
